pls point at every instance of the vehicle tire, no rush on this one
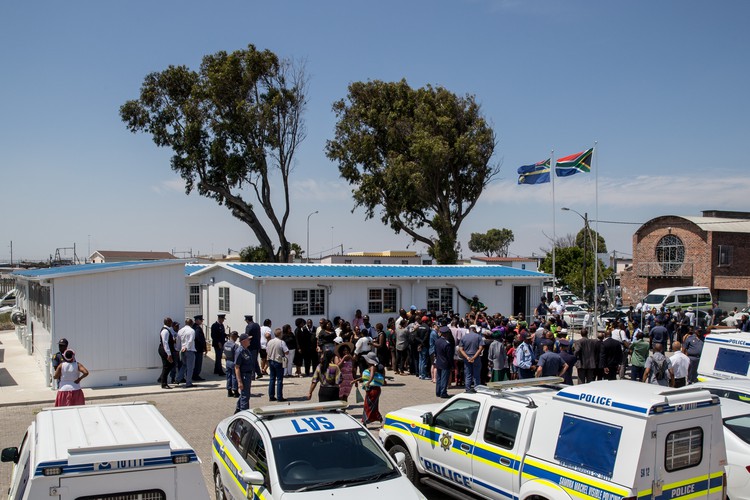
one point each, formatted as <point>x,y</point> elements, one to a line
<point>218,485</point>
<point>409,469</point>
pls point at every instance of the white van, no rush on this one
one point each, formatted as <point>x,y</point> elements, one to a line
<point>697,297</point>
<point>104,452</point>
<point>725,355</point>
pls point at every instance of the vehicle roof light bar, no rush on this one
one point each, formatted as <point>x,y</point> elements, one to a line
<point>528,382</point>
<point>294,409</point>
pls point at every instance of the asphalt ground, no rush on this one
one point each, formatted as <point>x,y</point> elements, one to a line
<point>195,412</point>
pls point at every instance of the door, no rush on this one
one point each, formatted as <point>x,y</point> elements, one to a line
<point>246,452</point>
<point>448,451</point>
<point>520,300</point>
<point>154,484</point>
<point>495,465</point>
<point>683,460</point>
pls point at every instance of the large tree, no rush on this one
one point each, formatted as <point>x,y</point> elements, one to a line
<point>234,126</point>
<point>421,155</point>
<point>493,242</point>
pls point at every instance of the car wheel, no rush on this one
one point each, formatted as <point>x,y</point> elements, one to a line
<point>408,467</point>
<point>218,485</point>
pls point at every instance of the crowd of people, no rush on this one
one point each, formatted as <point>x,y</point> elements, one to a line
<point>342,356</point>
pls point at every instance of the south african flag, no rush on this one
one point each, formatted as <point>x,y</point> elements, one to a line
<point>575,163</point>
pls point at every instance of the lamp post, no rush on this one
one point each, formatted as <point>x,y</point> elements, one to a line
<point>585,218</point>
<point>307,257</point>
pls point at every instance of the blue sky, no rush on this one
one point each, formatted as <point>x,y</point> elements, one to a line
<point>662,86</point>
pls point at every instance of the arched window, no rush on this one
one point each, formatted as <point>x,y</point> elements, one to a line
<point>670,253</point>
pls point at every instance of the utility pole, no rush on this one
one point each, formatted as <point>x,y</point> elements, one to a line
<point>585,232</point>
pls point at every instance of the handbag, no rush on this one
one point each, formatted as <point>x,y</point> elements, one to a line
<point>358,396</point>
<point>284,361</point>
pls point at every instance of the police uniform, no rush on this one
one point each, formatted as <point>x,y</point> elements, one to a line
<point>230,350</point>
<point>200,348</point>
<point>218,337</point>
<point>243,361</point>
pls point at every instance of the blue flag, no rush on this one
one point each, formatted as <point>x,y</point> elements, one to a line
<point>538,173</point>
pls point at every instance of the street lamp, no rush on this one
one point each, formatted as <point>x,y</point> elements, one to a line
<point>307,257</point>
<point>585,218</point>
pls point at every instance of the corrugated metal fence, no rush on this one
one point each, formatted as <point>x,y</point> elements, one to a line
<point>6,285</point>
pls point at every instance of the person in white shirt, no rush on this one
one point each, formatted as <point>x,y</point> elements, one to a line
<point>277,351</point>
<point>186,338</point>
<point>680,365</point>
<point>557,306</point>
<point>730,321</point>
<point>266,334</point>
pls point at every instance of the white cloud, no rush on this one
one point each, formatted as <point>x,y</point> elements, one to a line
<point>170,186</point>
<point>321,190</point>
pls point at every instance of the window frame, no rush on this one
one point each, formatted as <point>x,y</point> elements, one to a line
<point>224,303</point>
<point>314,302</point>
<point>724,257</point>
<point>667,457</point>
<point>194,294</point>
<point>488,439</point>
<point>388,305</point>
<point>437,422</point>
<point>670,253</point>
<point>441,300</point>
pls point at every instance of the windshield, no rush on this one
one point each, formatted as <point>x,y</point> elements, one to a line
<point>654,298</point>
<point>740,426</point>
<point>338,459</point>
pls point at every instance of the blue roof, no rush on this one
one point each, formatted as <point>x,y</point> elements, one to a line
<point>56,272</point>
<point>194,268</point>
<point>263,270</point>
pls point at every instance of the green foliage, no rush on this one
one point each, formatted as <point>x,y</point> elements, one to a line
<point>254,254</point>
<point>232,125</point>
<point>493,242</point>
<point>294,247</point>
<point>589,238</point>
<point>569,268</point>
<point>420,155</point>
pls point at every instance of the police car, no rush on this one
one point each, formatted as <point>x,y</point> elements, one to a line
<point>306,450</point>
<point>538,439</point>
<point>725,355</point>
<point>109,451</point>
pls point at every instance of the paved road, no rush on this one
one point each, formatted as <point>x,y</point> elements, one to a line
<point>195,413</point>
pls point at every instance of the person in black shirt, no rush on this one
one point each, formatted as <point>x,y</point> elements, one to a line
<point>218,337</point>
<point>201,347</point>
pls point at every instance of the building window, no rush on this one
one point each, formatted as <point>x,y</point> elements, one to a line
<point>725,255</point>
<point>224,298</point>
<point>683,449</point>
<point>440,299</point>
<point>670,253</point>
<point>404,262</point>
<point>194,298</point>
<point>308,302</point>
<point>381,300</point>
<point>377,261</point>
<point>347,261</point>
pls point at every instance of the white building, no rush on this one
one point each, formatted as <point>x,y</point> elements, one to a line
<point>284,292</point>
<point>526,263</point>
<point>111,315</point>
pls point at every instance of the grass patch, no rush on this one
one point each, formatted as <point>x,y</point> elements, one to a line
<point>5,323</point>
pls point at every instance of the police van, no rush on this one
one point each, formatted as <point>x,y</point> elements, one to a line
<point>697,297</point>
<point>725,355</point>
<point>104,452</point>
<point>538,439</point>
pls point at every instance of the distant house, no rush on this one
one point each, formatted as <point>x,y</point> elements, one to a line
<point>284,292</point>
<point>110,313</point>
<point>397,257</point>
<point>109,256</point>
<point>527,263</point>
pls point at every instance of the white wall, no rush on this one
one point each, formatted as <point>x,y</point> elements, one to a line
<point>112,320</point>
<point>273,298</point>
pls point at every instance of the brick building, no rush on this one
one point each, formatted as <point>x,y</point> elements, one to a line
<point>712,250</point>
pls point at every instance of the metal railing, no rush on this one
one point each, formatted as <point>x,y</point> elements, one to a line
<point>664,269</point>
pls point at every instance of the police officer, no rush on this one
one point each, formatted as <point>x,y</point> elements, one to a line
<point>253,333</point>
<point>230,350</point>
<point>244,366</point>
<point>218,337</point>
<point>57,358</point>
<point>201,347</point>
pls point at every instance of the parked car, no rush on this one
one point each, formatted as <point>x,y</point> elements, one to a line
<point>736,389</point>
<point>305,450</point>
<point>574,315</point>
<point>736,417</point>
<point>612,316</point>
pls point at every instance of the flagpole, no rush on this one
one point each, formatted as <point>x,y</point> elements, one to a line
<point>554,229</point>
<point>596,240</point>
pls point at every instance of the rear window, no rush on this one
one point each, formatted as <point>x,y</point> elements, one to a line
<point>733,361</point>
<point>683,449</point>
<point>602,440</point>
<point>740,427</point>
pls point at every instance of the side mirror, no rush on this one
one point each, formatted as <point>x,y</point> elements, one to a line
<point>400,458</point>
<point>428,419</point>
<point>253,477</point>
<point>10,455</point>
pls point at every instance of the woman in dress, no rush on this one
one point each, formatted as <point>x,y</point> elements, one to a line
<point>373,378</point>
<point>69,374</point>
<point>328,375</point>
<point>346,365</point>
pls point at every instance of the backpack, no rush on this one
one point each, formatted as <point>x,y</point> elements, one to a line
<point>660,369</point>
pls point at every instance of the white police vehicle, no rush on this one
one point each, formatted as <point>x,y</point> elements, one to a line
<point>104,452</point>
<point>537,439</point>
<point>725,355</point>
<point>303,450</point>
